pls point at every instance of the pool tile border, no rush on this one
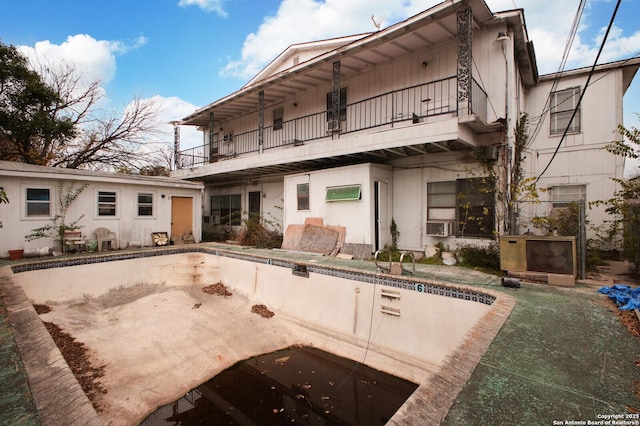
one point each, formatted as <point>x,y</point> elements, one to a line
<point>404,282</point>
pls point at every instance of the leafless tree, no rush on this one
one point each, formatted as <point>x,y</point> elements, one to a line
<point>102,139</point>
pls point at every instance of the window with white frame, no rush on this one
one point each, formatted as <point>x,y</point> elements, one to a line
<point>563,103</point>
<point>564,195</point>
<point>278,115</point>
<point>145,204</point>
<point>38,202</point>
<point>107,203</point>
<point>441,201</point>
<point>302,194</point>
<point>470,203</point>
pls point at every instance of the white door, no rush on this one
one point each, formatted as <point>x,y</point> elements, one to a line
<point>383,221</point>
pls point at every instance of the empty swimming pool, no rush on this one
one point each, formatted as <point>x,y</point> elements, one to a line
<point>145,317</point>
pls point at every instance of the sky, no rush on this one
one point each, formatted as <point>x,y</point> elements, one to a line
<point>186,54</point>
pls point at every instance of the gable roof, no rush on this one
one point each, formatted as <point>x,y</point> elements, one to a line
<point>13,168</point>
<point>628,66</point>
<point>304,52</point>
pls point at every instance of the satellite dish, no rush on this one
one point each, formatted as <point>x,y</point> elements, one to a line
<point>377,23</point>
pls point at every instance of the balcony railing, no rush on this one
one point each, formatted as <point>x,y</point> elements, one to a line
<point>408,104</point>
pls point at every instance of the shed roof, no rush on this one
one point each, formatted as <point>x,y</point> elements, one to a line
<point>13,168</point>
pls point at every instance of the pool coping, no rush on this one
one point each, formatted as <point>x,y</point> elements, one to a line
<point>58,396</point>
<point>60,399</point>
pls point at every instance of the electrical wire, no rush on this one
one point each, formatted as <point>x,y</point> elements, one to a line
<point>565,56</point>
<point>575,110</point>
<point>366,351</point>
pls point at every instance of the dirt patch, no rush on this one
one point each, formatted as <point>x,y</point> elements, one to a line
<point>41,309</point>
<point>630,320</point>
<point>262,310</point>
<point>123,295</point>
<point>77,356</point>
<point>219,289</point>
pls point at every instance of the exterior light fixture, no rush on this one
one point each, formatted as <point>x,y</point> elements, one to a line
<point>502,37</point>
<point>424,64</point>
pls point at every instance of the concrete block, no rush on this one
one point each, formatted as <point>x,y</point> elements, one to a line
<point>562,280</point>
<point>317,221</point>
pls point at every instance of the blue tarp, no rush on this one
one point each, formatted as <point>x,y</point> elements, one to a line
<point>626,297</point>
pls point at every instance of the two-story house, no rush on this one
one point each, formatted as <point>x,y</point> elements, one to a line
<point>413,124</point>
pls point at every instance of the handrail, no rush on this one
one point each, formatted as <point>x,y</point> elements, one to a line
<point>413,259</point>
<point>387,270</point>
<point>375,260</point>
<point>407,104</point>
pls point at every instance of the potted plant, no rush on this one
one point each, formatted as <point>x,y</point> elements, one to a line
<point>16,254</point>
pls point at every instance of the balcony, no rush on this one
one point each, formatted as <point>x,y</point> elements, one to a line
<point>399,107</point>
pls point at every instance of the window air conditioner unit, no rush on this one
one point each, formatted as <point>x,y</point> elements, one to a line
<point>333,126</point>
<point>440,229</point>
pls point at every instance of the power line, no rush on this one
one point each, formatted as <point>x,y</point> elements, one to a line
<point>575,110</point>
<point>563,62</point>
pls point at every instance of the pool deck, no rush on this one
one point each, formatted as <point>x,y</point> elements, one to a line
<point>562,355</point>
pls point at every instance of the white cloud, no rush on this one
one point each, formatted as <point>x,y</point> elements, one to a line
<point>298,21</point>
<point>206,5</point>
<point>93,59</point>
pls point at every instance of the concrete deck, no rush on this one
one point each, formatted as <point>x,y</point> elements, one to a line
<point>561,355</point>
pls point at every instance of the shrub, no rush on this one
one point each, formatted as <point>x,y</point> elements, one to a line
<point>254,233</point>
<point>476,256</point>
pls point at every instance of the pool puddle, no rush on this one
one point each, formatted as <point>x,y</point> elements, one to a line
<point>295,385</point>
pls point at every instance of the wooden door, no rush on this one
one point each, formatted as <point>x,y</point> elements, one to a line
<point>181,218</point>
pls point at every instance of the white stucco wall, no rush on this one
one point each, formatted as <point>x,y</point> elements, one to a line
<point>127,225</point>
<point>356,216</point>
<point>581,158</point>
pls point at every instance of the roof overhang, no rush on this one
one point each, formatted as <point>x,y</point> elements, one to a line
<point>629,69</point>
<point>225,176</point>
<point>523,47</point>
<point>430,28</point>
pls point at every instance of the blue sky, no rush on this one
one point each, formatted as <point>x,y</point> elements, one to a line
<point>188,53</point>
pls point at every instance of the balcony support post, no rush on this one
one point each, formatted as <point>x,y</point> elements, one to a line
<point>213,144</point>
<point>260,121</point>
<point>335,94</point>
<point>465,29</point>
<point>177,164</point>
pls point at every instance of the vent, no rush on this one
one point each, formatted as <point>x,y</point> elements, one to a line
<point>440,229</point>
<point>390,311</point>
<point>333,126</point>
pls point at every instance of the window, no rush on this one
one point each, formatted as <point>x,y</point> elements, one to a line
<point>303,196</point>
<point>563,196</point>
<point>343,193</point>
<point>145,204</point>
<point>254,203</point>
<point>441,201</point>
<point>106,203</point>
<point>38,202</point>
<point>468,202</point>
<point>563,103</point>
<point>476,207</point>
<point>343,105</point>
<point>277,118</point>
<point>226,209</point>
